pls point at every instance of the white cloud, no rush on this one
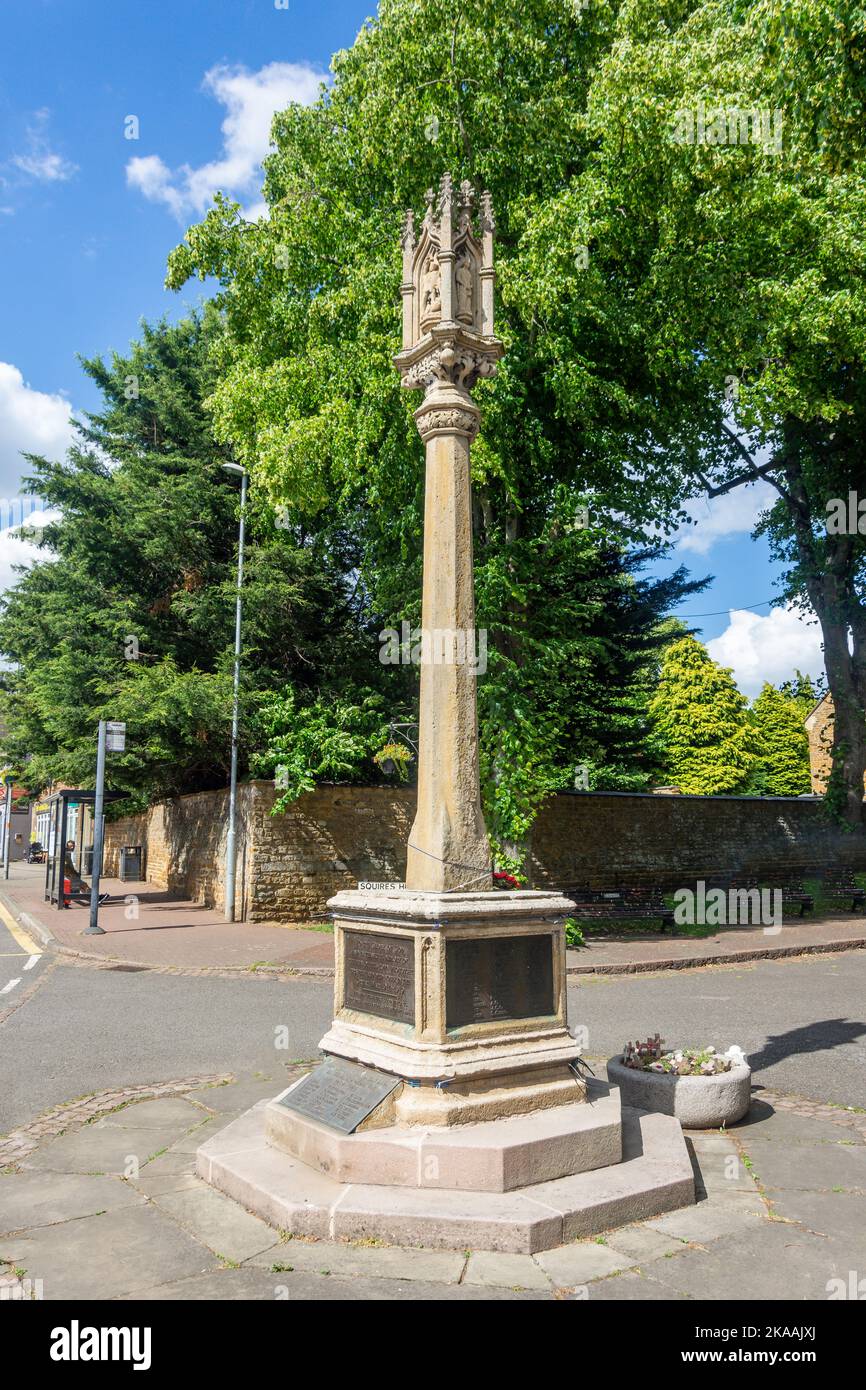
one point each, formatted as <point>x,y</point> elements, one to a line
<point>768,648</point>
<point>15,551</point>
<point>152,177</point>
<point>48,167</point>
<point>30,421</point>
<point>250,99</point>
<point>734,513</point>
<point>41,162</point>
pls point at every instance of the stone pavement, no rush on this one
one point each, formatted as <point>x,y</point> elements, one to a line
<point>109,1208</point>
<point>167,932</point>
<point>171,933</point>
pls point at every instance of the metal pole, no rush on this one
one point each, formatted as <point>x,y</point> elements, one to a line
<point>231,841</point>
<point>7,828</point>
<point>98,822</point>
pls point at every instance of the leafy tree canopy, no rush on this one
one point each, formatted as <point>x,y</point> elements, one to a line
<point>700,718</point>
<point>781,745</point>
<point>130,615</point>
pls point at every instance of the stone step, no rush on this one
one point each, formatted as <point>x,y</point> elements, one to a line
<point>655,1176</point>
<point>496,1156</point>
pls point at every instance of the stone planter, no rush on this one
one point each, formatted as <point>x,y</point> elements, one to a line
<point>698,1102</point>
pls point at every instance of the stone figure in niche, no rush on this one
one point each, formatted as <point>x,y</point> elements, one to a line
<point>463,280</point>
<point>431,289</point>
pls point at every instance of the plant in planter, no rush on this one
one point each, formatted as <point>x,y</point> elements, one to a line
<point>703,1088</point>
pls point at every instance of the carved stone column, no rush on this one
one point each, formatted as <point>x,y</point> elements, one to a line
<point>448,344</point>
<point>448,845</point>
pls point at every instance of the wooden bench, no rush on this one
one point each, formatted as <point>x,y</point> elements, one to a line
<point>838,887</point>
<point>619,904</point>
<point>793,893</point>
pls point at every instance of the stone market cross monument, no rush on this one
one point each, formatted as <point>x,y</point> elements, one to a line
<point>449,1109</point>
<point>448,343</point>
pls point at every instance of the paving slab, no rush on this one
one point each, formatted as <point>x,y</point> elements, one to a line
<point>710,1219</point>
<point>238,1096</point>
<point>105,1256</point>
<point>641,1243</point>
<point>170,931</point>
<point>711,1141</point>
<point>631,1286</point>
<point>839,1214</point>
<point>493,1269</point>
<point>724,1171</point>
<point>102,1149</point>
<point>159,1184</point>
<point>154,1114</point>
<point>768,1260</point>
<point>188,1143</point>
<point>29,1200</point>
<point>365,1261</point>
<point>635,952</point>
<point>790,1128</point>
<point>581,1262</point>
<point>218,1222</point>
<point>810,1167</point>
<point>167,1173</point>
<point>249,1283</point>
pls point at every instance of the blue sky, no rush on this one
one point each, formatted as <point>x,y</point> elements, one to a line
<point>87,217</point>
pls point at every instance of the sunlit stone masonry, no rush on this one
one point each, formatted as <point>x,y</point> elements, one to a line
<point>450,1108</point>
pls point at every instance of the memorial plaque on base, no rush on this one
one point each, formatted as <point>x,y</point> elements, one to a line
<point>498,977</point>
<point>379,975</point>
<point>340,1093</point>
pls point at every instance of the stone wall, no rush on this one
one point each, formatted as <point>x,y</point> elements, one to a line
<point>184,845</point>
<point>819,727</point>
<point>329,839</point>
<point>289,865</point>
<point>597,837</point>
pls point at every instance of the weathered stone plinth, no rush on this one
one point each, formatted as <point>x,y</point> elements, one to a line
<point>488,1138</point>
<point>654,1176</point>
<point>460,995</point>
<point>486,1157</point>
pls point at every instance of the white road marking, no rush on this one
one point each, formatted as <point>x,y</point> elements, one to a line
<point>32,961</point>
<point>11,985</point>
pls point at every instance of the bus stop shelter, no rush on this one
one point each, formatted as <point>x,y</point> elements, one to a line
<point>56,866</point>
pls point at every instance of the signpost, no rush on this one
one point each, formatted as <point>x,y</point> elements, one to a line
<point>112,738</point>
<point>115,736</point>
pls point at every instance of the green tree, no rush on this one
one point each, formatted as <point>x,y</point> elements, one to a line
<point>741,242</point>
<point>130,613</point>
<point>781,745</point>
<point>803,691</point>
<point>308,397</point>
<point>701,722</point>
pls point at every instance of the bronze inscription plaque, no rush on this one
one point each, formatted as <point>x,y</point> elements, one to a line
<point>498,977</point>
<point>380,975</point>
<point>340,1093</point>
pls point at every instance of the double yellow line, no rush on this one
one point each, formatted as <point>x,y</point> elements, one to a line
<point>25,941</point>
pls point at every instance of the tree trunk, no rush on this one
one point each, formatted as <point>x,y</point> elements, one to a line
<point>831,591</point>
<point>849,728</point>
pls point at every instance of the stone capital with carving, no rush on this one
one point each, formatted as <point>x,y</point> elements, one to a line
<point>448,411</point>
<point>448,356</point>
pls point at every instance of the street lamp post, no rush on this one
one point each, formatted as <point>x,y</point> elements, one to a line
<point>7,826</point>
<point>231,837</point>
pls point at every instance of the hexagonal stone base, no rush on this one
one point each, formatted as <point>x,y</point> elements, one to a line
<point>655,1176</point>
<point>494,1156</point>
